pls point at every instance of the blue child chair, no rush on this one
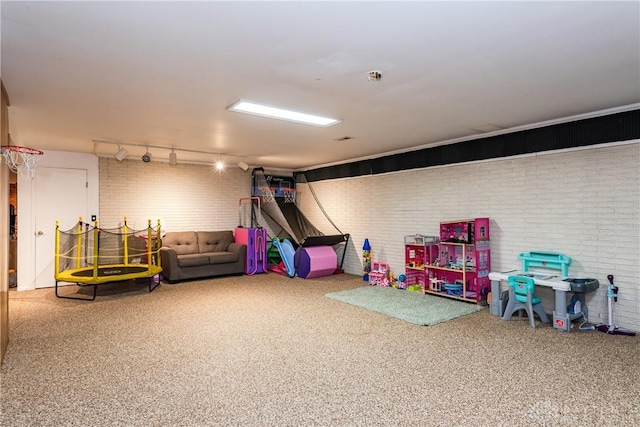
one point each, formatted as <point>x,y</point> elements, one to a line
<point>521,296</point>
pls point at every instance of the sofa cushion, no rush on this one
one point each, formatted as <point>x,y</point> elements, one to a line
<point>183,242</point>
<point>222,257</point>
<point>214,241</point>
<point>193,260</point>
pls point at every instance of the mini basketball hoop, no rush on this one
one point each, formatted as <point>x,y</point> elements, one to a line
<point>21,160</point>
<point>267,195</point>
<point>289,195</point>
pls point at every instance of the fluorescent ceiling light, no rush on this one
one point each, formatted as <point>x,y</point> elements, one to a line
<point>282,114</point>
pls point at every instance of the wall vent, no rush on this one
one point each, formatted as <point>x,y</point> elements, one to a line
<point>614,127</point>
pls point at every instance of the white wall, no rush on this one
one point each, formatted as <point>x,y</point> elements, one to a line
<point>583,203</point>
<point>27,215</point>
<point>183,196</point>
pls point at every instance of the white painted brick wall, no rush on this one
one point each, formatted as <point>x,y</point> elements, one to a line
<point>183,197</point>
<point>585,204</point>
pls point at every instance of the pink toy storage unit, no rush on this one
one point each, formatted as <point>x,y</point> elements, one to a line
<point>256,241</point>
<point>254,237</point>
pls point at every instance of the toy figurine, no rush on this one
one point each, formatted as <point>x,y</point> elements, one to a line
<point>402,281</point>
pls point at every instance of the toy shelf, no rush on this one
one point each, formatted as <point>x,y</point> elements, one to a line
<point>420,251</point>
<point>461,268</point>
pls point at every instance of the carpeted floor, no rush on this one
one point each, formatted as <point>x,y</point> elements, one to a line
<point>267,350</point>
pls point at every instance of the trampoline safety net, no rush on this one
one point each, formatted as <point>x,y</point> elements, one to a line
<point>86,245</point>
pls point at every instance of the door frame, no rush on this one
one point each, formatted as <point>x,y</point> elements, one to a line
<point>26,215</point>
<point>64,200</point>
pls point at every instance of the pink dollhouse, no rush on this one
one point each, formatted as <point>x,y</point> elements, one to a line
<point>379,274</point>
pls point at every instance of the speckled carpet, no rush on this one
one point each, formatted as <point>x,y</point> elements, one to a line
<point>267,350</point>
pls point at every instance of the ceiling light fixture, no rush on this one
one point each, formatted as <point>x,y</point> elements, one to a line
<point>147,154</point>
<point>219,165</point>
<point>281,114</point>
<point>121,154</point>
<point>173,158</point>
<point>146,157</point>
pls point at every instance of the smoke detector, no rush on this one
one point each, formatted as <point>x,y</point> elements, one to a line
<point>374,76</point>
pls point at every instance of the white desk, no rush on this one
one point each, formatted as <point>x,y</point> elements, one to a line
<point>561,319</point>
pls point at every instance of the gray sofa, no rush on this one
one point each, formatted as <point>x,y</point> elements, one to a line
<point>198,254</point>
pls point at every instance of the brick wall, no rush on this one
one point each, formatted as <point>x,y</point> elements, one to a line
<point>585,204</point>
<point>183,197</point>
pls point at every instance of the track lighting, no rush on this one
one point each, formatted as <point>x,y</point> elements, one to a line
<point>173,158</point>
<point>146,157</point>
<point>121,154</point>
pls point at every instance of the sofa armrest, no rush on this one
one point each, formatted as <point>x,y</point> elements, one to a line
<point>241,250</point>
<point>236,248</point>
<point>169,263</point>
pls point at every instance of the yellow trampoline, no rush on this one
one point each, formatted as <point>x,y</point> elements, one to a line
<point>90,256</point>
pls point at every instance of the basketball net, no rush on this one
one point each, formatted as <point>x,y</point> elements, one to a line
<point>289,196</point>
<point>21,160</point>
<point>267,195</point>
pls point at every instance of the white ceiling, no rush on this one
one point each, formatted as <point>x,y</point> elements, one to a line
<point>163,73</point>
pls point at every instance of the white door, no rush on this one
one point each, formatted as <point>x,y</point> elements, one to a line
<point>60,195</point>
